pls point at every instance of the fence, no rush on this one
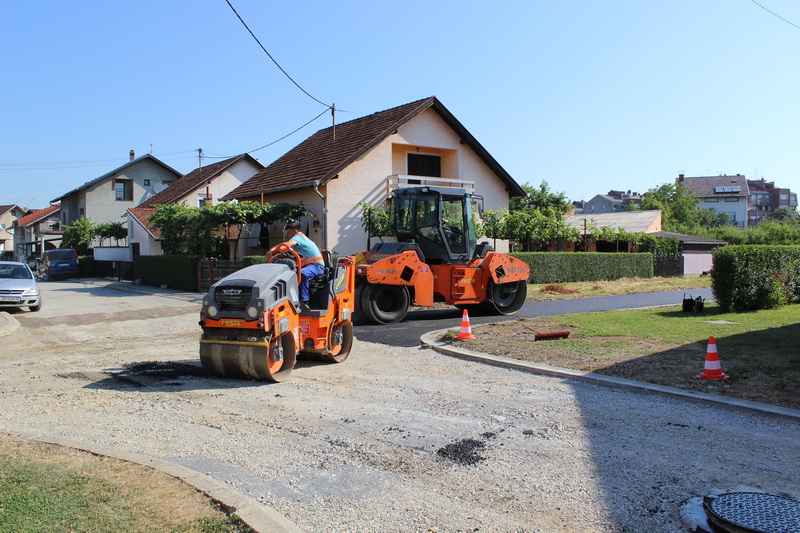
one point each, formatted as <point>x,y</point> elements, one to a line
<point>668,267</point>
<point>211,271</point>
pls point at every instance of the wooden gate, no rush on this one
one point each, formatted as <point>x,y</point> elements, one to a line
<point>668,267</point>
<point>211,271</point>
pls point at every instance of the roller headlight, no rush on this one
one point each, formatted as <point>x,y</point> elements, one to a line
<point>252,311</point>
<point>212,311</point>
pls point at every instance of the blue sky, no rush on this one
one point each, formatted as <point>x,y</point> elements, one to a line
<point>588,96</point>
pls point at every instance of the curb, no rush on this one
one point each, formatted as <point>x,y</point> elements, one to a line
<point>429,340</point>
<point>8,324</point>
<point>257,516</point>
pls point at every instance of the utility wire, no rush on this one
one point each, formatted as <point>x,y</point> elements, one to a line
<point>275,141</point>
<point>272,58</point>
<point>775,14</point>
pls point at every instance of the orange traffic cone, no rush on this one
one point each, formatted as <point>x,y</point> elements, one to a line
<point>712,369</point>
<point>466,331</point>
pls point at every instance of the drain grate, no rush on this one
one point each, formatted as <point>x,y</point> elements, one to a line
<point>754,512</point>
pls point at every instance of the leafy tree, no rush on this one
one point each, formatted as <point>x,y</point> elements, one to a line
<point>376,221</point>
<point>172,220</point>
<point>111,230</point>
<point>492,225</point>
<point>79,235</point>
<point>785,213</point>
<point>542,200</point>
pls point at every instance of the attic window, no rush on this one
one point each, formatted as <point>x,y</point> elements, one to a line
<point>424,165</point>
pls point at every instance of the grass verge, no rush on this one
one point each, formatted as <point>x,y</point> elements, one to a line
<point>587,289</point>
<point>51,488</point>
<point>758,350</point>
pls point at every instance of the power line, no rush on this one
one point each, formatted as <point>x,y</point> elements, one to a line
<point>272,58</point>
<point>775,14</point>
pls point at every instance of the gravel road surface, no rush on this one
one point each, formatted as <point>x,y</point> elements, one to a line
<point>393,439</point>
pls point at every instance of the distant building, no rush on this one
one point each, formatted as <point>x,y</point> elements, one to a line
<point>765,198</point>
<point>612,202</point>
<point>8,216</point>
<point>724,194</point>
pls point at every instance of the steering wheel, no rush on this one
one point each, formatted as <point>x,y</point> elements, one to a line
<point>287,251</point>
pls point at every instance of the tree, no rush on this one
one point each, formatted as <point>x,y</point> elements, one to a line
<point>376,221</point>
<point>679,209</point>
<point>111,230</point>
<point>785,213</point>
<point>79,235</point>
<point>542,200</point>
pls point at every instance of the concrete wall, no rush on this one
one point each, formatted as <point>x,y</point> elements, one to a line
<point>696,263</point>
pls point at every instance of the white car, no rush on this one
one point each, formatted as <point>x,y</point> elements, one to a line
<point>18,286</point>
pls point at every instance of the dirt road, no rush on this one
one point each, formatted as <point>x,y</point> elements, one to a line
<point>393,439</point>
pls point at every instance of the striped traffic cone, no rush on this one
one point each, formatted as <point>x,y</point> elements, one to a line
<point>466,331</point>
<point>713,368</point>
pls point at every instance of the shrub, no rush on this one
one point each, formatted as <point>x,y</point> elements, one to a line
<point>250,260</point>
<point>561,267</point>
<point>86,266</point>
<point>748,278</point>
<point>175,271</point>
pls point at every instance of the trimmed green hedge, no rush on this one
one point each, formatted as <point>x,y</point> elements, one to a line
<point>253,260</point>
<point>175,271</point>
<point>562,267</point>
<point>86,266</point>
<point>748,278</point>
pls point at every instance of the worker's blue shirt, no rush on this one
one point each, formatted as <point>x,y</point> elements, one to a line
<point>307,248</point>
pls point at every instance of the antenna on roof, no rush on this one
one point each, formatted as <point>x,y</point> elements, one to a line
<point>199,157</point>
<point>333,120</point>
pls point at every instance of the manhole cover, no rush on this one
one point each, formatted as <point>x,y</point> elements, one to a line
<point>754,512</point>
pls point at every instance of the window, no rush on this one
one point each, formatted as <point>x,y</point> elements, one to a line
<point>425,165</point>
<point>146,183</point>
<point>732,199</point>
<point>123,190</point>
<point>708,200</point>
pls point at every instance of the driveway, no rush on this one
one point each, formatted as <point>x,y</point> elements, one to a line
<point>393,439</point>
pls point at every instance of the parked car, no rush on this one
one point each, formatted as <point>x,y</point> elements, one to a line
<point>32,261</point>
<point>57,263</point>
<point>18,286</point>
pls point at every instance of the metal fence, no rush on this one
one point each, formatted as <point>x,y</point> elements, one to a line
<point>211,271</point>
<point>668,267</point>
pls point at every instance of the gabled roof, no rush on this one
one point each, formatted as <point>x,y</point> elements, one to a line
<point>631,221</point>
<point>195,180</point>
<point>141,215</point>
<point>6,208</point>
<point>320,158</point>
<point>716,186</point>
<point>118,170</point>
<point>37,214</point>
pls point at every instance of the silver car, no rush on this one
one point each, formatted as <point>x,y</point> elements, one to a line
<point>18,286</point>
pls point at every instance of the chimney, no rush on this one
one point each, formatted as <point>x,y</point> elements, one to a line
<point>680,177</point>
<point>133,155</point>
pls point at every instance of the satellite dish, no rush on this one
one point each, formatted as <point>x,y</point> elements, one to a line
<point>3,226</point>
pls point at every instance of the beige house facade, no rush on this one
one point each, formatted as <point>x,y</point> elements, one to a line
<point>108,197</point>
<point>8,216</point>
<point>365,159</point>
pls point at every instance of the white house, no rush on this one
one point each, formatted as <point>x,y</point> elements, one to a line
<point>364,159</point>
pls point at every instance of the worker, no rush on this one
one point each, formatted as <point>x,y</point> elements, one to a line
<point>311,262</point>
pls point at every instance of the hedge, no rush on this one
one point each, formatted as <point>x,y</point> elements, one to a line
<point>562,267</point>
<point>175,271</point>
<point>748,278</point>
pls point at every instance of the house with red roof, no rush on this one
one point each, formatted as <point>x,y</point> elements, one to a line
<point>39,230</point>
<point>203,186</point>
<point>365,159</point>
